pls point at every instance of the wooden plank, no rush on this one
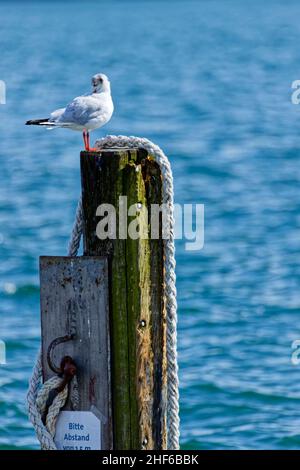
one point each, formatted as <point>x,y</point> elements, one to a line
<point>137,312</point>
<point>139,315</point>
<point>153,186</point>
<point>74,292</point>
<point>97,170</point>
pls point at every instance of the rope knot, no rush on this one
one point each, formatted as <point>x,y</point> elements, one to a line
<point>54,394</point>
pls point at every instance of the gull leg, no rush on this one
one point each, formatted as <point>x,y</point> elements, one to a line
<point>89,149</point>
<point>86,146</point>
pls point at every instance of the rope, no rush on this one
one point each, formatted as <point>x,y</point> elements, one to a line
<point>169,291</point>
<point>74,243</point>
<point>43,435</point>
<point>58,402</point>
<point>46,401</point>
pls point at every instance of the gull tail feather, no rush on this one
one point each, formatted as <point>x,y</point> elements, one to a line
<point>46,122</point>
<point>36,122</point>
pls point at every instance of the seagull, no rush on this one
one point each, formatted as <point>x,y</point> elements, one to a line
<point>85,113</point>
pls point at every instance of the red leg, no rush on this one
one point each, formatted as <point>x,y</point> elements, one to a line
<point>85,140</point>
<point>89,149</point>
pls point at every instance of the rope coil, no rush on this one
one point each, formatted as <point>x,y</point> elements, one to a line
<point>169,294</point>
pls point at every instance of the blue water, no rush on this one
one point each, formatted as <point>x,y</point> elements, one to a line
<point>209,81</point>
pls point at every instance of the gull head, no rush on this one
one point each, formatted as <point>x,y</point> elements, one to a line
<point>100,83</point>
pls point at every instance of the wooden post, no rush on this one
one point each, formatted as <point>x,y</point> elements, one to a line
<point>74,297</point>
<point>137,313</point>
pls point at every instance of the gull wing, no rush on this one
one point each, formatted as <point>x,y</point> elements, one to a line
<point>82,109</point>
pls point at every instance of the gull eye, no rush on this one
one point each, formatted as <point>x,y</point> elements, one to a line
<point>100,80</point>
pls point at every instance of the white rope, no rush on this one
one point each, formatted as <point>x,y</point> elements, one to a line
<point>58,402</point>
<point>169,289</point>
<point>37,397</point>
<point>43,435</point>
<point>74,243</point>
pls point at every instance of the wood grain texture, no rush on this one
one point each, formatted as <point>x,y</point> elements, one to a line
<point>153,187</point>
<point>139,313</point>
<point>78,287</point>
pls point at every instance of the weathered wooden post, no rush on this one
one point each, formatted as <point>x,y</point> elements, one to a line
<point>106,311</point>
<point>135,280</point>
<point>75,322</point>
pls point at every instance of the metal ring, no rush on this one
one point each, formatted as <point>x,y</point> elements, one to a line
<point>53,344</point>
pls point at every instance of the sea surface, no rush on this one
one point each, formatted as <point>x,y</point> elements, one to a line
<point>210,82</point>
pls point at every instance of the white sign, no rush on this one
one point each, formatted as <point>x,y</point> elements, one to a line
<point>78,430</point>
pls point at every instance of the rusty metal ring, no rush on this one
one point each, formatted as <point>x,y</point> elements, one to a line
<point>53,344</point>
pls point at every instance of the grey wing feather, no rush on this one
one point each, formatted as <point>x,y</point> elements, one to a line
<point>81,110</point>
<point>56,114</point>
